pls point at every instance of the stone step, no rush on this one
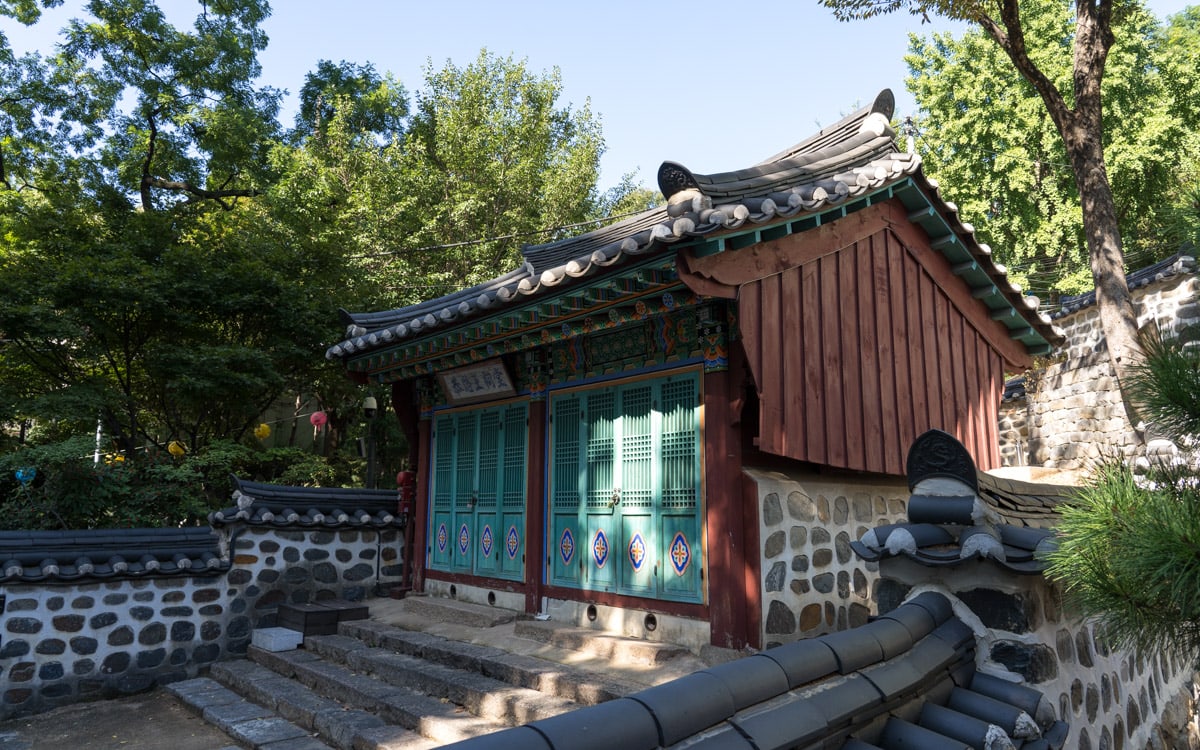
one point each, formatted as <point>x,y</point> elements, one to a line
<point>433,718</point>
<point>483,696</point>
<point>253,725</point>
<point>598,643</point>
<point>460,613</point>
<point>580,686</point>
<point>346,729</point>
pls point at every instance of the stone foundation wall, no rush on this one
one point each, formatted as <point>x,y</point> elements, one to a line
<point>1072,415</point>
<point>63,643</point>
<point>1111,699</point>
<point>812,583</point>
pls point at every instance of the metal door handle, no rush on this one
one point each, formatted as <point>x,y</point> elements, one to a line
<point>616,498</point>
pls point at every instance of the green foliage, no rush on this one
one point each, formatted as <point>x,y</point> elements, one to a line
<point>1165,384</point>
<point>71,491</point>
<point>1130,557</point>
<point>491,154</point>
<point>366,102</point>
<point>172,260</point>
<point>988,138</point>
<point>1129,547</point>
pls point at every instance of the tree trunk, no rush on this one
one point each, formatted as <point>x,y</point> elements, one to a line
<point>1106,256</point>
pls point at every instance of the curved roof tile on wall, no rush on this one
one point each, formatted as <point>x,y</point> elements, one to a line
<point>103,554</point>
<point>1176,265</point>
<point>907,679</point>
<point>960,514</point>
<point>853,158</point>
<point>277,505</point>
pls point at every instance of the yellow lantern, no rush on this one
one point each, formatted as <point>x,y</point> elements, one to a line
<point>176,448</point>
<point>263,431</point>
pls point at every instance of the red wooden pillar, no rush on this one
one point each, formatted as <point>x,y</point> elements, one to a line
<point>535,520</point>
<point>732,585</point>
<point>421,504</point>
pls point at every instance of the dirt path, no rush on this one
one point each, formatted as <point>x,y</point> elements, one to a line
<point>150,721</point>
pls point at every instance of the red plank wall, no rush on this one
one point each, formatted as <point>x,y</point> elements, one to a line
<point>859,351</point>
<point>860,337</point>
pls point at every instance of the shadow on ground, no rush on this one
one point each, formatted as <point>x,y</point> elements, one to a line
<point>150,721</point>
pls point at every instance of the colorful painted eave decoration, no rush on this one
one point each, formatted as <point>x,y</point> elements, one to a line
<point>421,357</point>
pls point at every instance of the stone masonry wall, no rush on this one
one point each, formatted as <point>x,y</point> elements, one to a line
<point>1072,415</point>
<point>812,582</point>
<point>1112,700</point>
<point>63,643</point>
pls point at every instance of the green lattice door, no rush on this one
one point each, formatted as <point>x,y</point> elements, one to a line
<point>625,489</point>
<point>478,493</point>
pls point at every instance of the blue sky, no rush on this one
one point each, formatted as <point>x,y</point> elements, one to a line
<point>713,85</point>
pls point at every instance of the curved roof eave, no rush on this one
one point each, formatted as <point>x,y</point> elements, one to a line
<point>820,173</point>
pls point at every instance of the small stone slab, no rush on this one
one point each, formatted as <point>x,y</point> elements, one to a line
<point>257,732</point>
<point>300,743</point>
<point>341,726</point>
<point>202,693</point>
<point>391,737</point>
<point>277,639</point>
<point>225,716</point>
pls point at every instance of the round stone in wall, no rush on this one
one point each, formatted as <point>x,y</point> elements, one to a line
<point>772,511</point>
<point>810,617</point>
<point>801,507</point>
<point>772,548</point>
<point>778,574</point>
<point>798,537</point>
<point>780,619</point>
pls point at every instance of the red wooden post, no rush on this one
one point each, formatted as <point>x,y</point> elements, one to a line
<point>421,506</point>
<point>535,506</point>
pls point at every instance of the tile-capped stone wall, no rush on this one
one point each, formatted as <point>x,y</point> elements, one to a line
<point>812,583</point>
<point>68,642</point>
<point>1072,413</point>
<point>1110,699</point>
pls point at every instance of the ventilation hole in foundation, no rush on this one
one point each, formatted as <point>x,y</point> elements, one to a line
<point>453,591</point>
<point>492,598</point>
<point>651,623</point>
<point>591,613</point>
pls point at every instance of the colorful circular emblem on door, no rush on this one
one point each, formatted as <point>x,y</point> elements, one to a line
<point>680,553</point>
<point>485,541</point>
<point>464,539</point>
<point>443,536</point>
<point>637,552</point>
<point>600,548</point>
<point>566,546</point>
<point>512,542</point>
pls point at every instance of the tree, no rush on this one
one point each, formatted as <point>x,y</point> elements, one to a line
<point>135,293</point>
<point>1077,113</point>
<point>1127,552</point>
<point>985,127</point>
<point>369,104</point>
<point>489,162</point>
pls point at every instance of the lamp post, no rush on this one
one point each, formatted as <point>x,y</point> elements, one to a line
<point>370,408</point>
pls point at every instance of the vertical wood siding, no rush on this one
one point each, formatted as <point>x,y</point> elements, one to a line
<point>858,352</point>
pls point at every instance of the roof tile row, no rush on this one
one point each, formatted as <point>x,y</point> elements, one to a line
<point>836,690</point>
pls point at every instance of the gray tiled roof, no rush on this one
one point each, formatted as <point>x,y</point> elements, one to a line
<point>853,159</point>
<point>964,514</point>
<point>276,505</point>
<point>845,690</point>
<point>105,554</point>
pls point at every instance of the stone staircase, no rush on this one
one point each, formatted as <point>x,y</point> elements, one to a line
<point>422,675</point>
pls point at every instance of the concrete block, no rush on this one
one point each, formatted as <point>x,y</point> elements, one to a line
<point>277,639</point>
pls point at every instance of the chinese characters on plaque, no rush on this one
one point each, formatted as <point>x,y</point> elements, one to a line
<point>477,382</point>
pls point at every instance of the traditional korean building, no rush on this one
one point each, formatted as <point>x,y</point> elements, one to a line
<point>586,428</point>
